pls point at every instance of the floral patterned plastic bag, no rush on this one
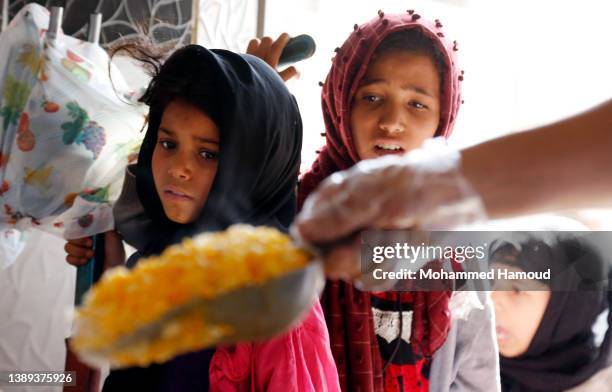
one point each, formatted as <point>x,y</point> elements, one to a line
<point>67,132</point>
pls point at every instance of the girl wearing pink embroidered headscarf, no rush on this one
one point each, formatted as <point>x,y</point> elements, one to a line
<point>394,83</point>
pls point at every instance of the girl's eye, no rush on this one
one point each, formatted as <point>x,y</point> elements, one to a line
<point>417,105</point>
<point>371,98</point>
<point>208,155</point>
<point>167,145</point>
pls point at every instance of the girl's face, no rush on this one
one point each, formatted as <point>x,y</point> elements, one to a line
<point>184,160</point>
<point>519,309</point>
<point>397,105</point>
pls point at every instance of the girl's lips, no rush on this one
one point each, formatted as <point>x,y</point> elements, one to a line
<point>387,147</point>
<point>502,334</point>
<point>383,151</point>
<point>176,194</point>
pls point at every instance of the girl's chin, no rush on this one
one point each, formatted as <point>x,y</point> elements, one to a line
<point>180,217</point>
<point>508,351</point>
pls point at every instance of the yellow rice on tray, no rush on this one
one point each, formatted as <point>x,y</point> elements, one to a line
<point>205,266</point>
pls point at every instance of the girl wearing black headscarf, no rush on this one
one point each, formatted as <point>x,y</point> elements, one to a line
<point>545,331</point>
<point>222,147</point>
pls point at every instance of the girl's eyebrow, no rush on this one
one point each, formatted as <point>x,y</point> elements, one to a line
<point>205,140</point>
<point>416,89</point>
<point>197,138</point>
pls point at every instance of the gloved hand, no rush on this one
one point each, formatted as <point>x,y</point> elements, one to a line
<point>423,189</point>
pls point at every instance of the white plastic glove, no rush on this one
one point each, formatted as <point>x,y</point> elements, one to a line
<point>423,189</point>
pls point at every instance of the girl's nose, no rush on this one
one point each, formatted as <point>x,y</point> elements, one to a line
<point>392,120</point>
<point>181,170</point>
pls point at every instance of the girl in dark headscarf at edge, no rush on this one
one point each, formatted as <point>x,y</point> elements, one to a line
<point>222,147</point>
<point>393,84</point>
<point>546,338</point>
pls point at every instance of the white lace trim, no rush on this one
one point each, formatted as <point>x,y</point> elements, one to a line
<point>386,324</point>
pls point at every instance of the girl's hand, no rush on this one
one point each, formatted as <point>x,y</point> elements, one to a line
<point>270,52</point>
<point>79,251</point>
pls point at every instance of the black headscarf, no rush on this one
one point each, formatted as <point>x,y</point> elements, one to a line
<point>260,142</point>
<point>563,352</point>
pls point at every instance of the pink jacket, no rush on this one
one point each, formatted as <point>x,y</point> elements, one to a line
<point>300,360</point>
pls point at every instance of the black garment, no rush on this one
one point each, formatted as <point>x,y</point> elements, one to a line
<point>259,155</point>
<point>562,354</point>
<point>389,351</point>
<point>187,372</point>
